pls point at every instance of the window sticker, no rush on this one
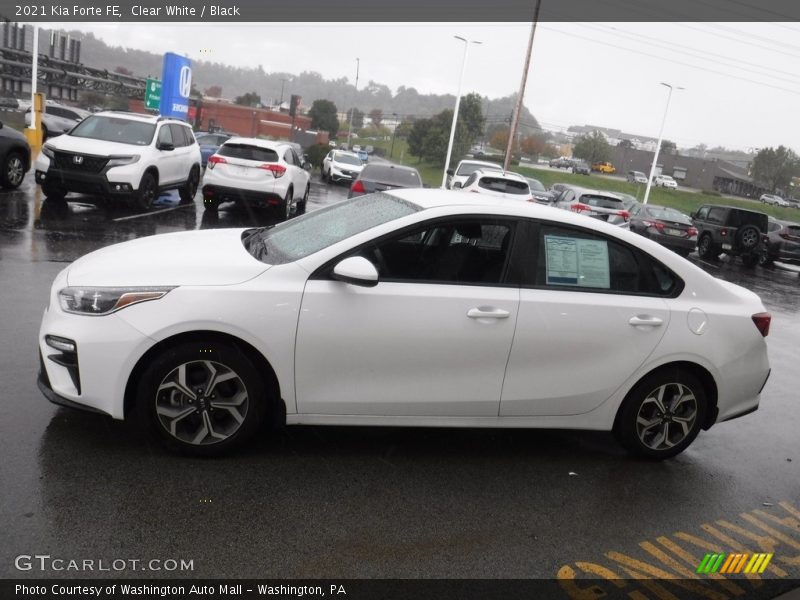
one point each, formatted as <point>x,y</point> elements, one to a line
<point>578,262</point>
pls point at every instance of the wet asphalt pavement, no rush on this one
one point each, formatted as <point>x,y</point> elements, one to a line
<point>351,502</point>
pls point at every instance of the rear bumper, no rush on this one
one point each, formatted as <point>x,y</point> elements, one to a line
<point>673,242</point>
<point>249,197</point>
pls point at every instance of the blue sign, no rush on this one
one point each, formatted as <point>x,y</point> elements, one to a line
<point>176,85</point>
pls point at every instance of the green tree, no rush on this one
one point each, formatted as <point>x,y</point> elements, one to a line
<point>416,137</point>
<point>358,118</point>
<point>376,116</point>
<point>668,147</point>
<point>323,116</point>
<point>592,148</point>
<point>625,144</point>
<point>774,168</point>
<point>470,124</point>
<point>248,99</point>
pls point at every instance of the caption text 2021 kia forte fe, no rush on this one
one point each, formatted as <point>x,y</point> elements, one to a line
<point>411,307</point>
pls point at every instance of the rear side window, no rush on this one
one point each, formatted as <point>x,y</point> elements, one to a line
<point>716,215</point>
<point>248,152</point>
<point>178,136</point>
<point>580,260</point>
<point>506,186</point>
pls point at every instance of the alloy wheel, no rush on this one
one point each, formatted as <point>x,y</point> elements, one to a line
<point>667,416</point>
<point>15,171</point>
<point>201,402</point>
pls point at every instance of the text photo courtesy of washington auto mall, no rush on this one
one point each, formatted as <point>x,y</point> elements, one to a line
<point>390,300</point>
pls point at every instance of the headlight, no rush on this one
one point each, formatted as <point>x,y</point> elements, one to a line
<point>105,300</point>
<point>118,161</point>
<point>48,151</point>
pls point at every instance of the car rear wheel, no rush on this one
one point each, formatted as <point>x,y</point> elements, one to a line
<point>13,171</point>
<point>286,206</point>
<point>705,247</point>
<point>203,399</point>
<point>189,189</point>
<point>662,414</point>
<point>301,206</point>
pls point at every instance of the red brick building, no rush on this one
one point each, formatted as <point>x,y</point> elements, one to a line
<point>244,120</point>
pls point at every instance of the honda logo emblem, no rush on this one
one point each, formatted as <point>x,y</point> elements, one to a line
<point>185,82</point>
<point>78,160</point>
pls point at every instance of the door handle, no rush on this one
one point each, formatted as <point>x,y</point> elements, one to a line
<point>486,312</point>
<point>646,320</point>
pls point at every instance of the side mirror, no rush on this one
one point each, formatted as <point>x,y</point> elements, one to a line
<point>450,172</point>
<point>307,165</point>
<point>164,146</point>
<point>693,215</point>
<point>356,270</point>
<point>457,185</point>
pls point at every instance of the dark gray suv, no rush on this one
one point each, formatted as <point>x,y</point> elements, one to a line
<point>15,157</point>
<point>730,230</point>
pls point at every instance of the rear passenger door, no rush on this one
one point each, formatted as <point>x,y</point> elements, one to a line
<point>592,309</point>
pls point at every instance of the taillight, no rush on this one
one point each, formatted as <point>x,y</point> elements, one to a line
<point>723,232</point>
<point>214,159</point>
<point>692,232</point>
<point>624,214</point>
<point>580,207</point>
<point>358,187</point>
<point>276,170</point>
<point>762,321</point>
<point>655,224</point>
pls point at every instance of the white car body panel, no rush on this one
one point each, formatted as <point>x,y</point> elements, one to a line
<point>461,178</point>
<point>345,354</point>
<point>341,171</point>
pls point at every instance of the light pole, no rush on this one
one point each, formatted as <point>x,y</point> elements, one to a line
<point>394,133</point>
<point>352,109</point>
<point>280,102</point>
<point>658,144</point>
<point>458,102</point>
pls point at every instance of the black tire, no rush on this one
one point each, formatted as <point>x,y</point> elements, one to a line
<point>189,189</point>
<point>705,247</point>
<point>647,431</point>
<point>44,133</point>
<point>181,422</point>
<point>285,207</point>
<point>748,237</point>
<point>765,260</point>
<point>301,206</point>
<point>144,197</point>
<point>13,171</point>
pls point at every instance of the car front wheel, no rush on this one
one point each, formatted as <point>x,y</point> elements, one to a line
<point>203,399</point>
<point>662,414</point>
<point>147,192</point>
<point>13,171</point>
<point>705,248</point>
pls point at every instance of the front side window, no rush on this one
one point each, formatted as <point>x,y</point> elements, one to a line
<point>288,156</point>
<point>571,258</point>
<point>165,135</point>
<point>464,251</point>
<point>178,139</point>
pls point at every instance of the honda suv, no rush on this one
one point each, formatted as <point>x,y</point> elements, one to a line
<point>122,155</point>
<point>730,230</point>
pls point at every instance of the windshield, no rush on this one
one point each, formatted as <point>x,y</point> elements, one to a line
<point>347,159</point>
<point>248,152</point>
<point>115,129</point>
<point>322,228</point>
<point>391,175</point>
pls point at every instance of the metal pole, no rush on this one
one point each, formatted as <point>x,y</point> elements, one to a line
<point>280,102</point>
<point>394,133</point>
<point>518,107</point>
<point>353,109</point>
<point>35,76</point>
<point>455,112</point>
<point>658,144</point>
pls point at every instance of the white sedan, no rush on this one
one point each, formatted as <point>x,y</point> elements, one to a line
<point>257,172</point>
<point>411,308</point>
<point>665,181</point>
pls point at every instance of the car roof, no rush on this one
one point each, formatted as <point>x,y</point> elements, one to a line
<point>139,117</point>
<point>500,173</point>
<point>470,161</point>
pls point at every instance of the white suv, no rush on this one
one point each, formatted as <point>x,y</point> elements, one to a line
<point>120,154</point>
<point>258,172</point>
<point>497,183</point>
<point>466,168</point>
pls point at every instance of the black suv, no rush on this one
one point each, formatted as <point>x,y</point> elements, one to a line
<point>734,231</point>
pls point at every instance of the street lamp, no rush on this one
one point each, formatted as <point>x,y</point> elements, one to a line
<point>658,144</point>
<point>283,82</point>
<point>394,133</point>
<point>458,102</point>
<point>352,109</point>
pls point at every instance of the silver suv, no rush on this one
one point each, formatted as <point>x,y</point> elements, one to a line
<point>58,119</point>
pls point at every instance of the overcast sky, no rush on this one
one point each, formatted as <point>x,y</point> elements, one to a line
<point>742,80</point>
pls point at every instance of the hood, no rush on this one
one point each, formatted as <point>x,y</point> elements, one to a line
<point>212,257</point>
<point>89,146</point>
